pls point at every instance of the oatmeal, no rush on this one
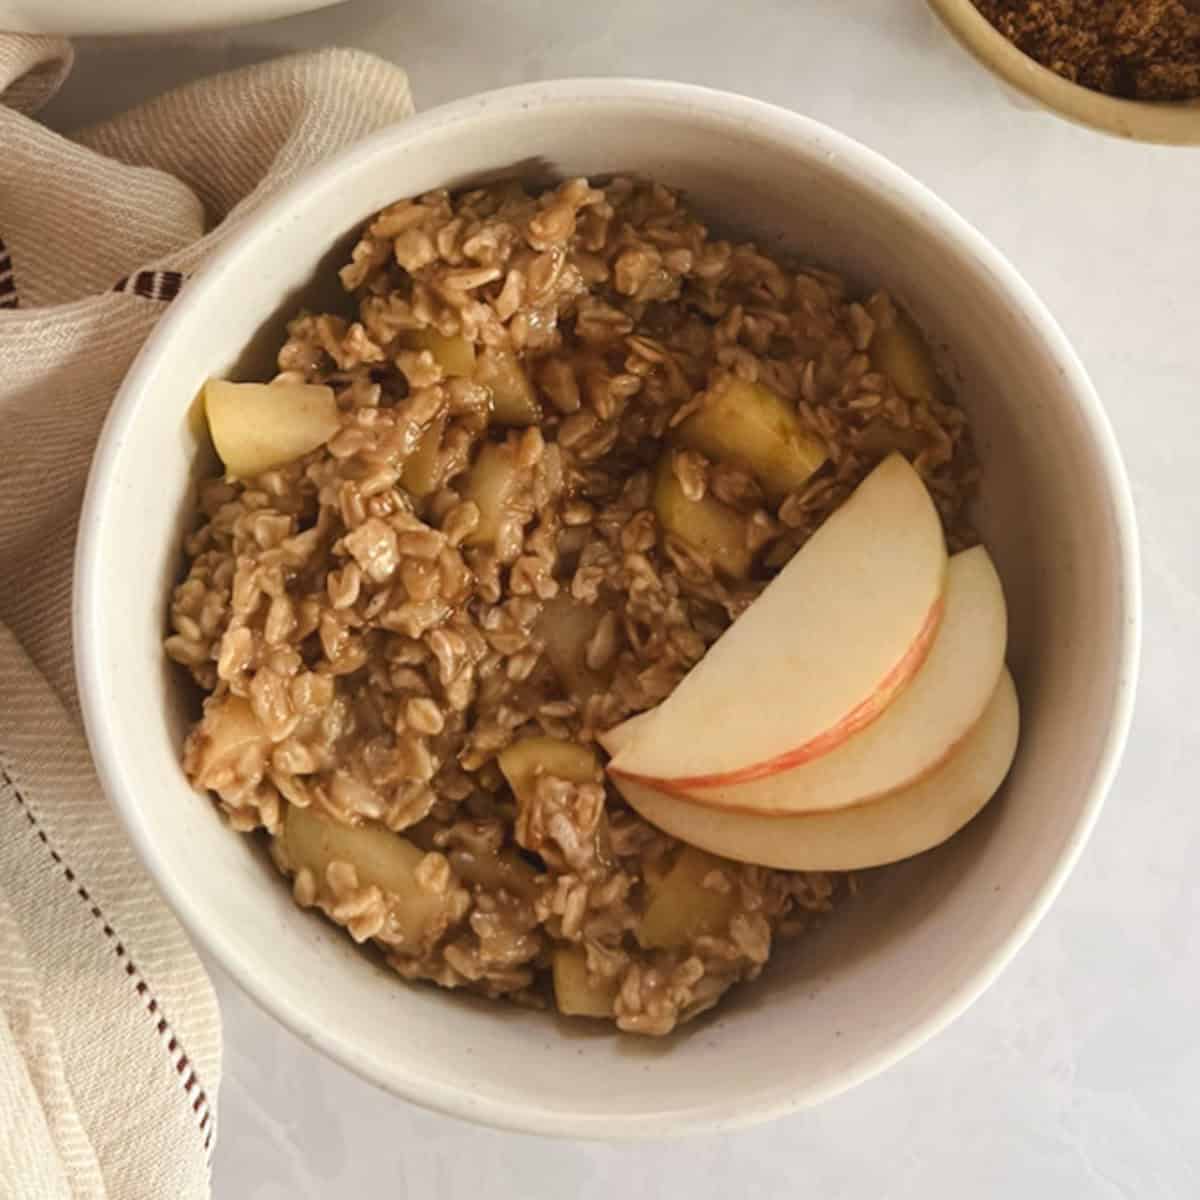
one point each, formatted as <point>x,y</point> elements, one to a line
<point>573,437</point>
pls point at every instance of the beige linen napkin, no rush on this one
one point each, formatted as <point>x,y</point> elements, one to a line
<point>110,1048</point>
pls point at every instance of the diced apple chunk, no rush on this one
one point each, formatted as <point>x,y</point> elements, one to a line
<point>879,437</point>
<point>197,416</point>
<point>529,758</point>
<point>502,869</point>
<point>494,484</point>
<point>505,870</point>
<point>566,626</point>
<point>708,526</point>
<point>228,731</point>
<point>379,856</point>
<point>680,907</point>
<point>577,992</point>
<point>258,426</point>
<point>422,474</point>
<point>748,425</point>
<point>900,351</point>
<point>454,354</point>
<point>514,401</point>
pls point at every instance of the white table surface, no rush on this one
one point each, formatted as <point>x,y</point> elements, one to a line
<point>1078,1074</point>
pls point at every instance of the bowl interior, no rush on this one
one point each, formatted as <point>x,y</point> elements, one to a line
<point>927,935</point>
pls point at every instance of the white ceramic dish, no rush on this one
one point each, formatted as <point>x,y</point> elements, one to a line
<point>107,17</point>
<point>929,935</point>
<point>1032,85</point>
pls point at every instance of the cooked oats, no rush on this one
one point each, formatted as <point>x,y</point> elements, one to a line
<point>478,557</point>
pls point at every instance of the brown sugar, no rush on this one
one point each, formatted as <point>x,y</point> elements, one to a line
<point>1138,49</point>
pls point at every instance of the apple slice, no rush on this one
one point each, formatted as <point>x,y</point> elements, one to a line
<point>818,656</point>
<point>258,426</point>
<point>625,734</point>
<point>885,830</point>
<point>919,729</point>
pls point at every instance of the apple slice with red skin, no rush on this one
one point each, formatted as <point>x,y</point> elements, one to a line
<point>879,831</point>
<point>620,736</point>
<point>818,655</point>
<point>919,729</point>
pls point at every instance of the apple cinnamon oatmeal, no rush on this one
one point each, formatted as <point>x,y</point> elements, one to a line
<point>562,442</point>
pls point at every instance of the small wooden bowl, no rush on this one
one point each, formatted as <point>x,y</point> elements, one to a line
<point>1169,123</point>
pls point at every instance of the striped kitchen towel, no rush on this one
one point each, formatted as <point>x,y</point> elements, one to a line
<point>110,1048</point>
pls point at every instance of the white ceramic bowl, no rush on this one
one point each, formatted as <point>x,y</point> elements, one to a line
<point>111,17</point>
<point>889,970</point>
<point>1168,123</point>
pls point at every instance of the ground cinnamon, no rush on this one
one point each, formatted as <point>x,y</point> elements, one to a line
<point>1139,49</point>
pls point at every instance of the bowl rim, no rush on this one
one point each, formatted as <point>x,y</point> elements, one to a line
<point>119,785</point>
<point>1162,122</point>
<point>133,18</point>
